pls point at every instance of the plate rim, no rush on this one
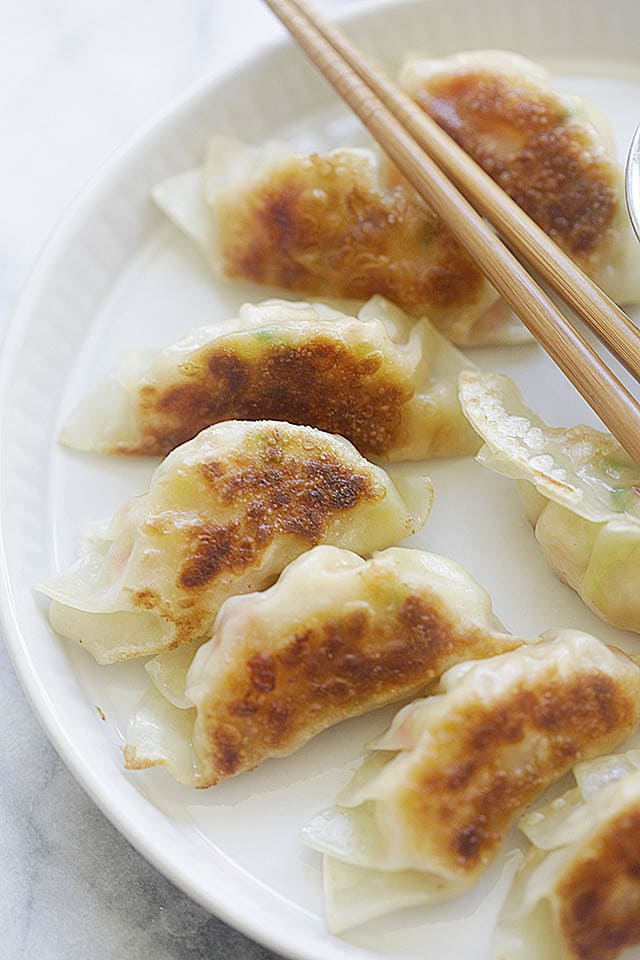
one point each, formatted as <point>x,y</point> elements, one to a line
<point>275,937</point>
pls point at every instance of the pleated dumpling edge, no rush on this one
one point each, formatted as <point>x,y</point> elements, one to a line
<point>224,514</point>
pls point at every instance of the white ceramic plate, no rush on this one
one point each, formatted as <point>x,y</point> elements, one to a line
<point>118,276</point>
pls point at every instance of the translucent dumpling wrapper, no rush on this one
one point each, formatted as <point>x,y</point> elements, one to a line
<point>379,379</point>
<point>342,223</point>
<point>336,636</point>
<point>345,222</point>
<point>577,895</point>
<point>424,816</point>
<point>552,153</point>
<point>225,513</point>
<point>580,489</point>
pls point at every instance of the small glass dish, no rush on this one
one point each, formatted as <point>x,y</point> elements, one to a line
<point>632,182</point>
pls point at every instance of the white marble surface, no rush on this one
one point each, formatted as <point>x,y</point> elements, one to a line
<point>76,79</point>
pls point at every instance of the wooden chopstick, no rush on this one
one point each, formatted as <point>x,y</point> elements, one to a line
<point>586,298</point>
<point>602,390</point>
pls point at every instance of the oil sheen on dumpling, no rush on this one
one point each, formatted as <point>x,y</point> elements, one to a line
<point>225,513</point>
<point>379,379</point>
<point>581,492</point>
<point>334,637</point>
<point>343,223</point>
<point>577,895</point>
<point>552,153</point>
<point>426,813</point>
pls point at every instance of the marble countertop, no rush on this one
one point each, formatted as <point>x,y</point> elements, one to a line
<point>76,79</point>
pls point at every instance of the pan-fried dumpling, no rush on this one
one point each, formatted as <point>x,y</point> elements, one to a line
<point>424,816</point>
<point>552,153</point>
<point>580,489</point>
<point>343,223</point>
<point>334,637</point>
<point>225,513</point>
<point>385,383</point>
<point>577,895</point>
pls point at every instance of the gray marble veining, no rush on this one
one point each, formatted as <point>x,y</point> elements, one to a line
<point>72,887</point>
<point>76,79</point>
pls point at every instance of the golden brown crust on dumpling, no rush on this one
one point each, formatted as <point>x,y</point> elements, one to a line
<point>224,515</point>
<point>320,383</point>
<point>283,484</point>
<point>272,494</point>
<point>269,702</point>
<point>319,224</point>
<point>527,141</point>
<point>599,898</point>
<point>500,756</point>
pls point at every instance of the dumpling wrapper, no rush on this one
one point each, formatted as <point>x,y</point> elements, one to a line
<point>336,636</point>
<point>426,813</point>
<point>580,489</point>
<point>342,223</point>
<point>225,513</point>
<point>552,153</point>
<point>387,384</point>
<point>577,895</point>
<point>345,223</point>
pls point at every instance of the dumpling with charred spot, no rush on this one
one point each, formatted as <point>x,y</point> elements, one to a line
<point>580,489</point>
<point>426,813</point>
<point>577,895</point>
<point>552,153</point>
<point>225,513</point>
<point>343,223</point>
<point>379,379</point>
<point>336,636</point>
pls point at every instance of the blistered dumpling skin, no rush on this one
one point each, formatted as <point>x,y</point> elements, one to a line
<point>550,152</point>
<point>428,811</point>
<point>387,384</point>
<point>581,493</point>
<point>343,223</point>
<point>577,895</point>
<point>336,636</point>
<point>225,513</point>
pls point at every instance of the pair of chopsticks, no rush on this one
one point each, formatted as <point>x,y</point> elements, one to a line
<point>462,194</point>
